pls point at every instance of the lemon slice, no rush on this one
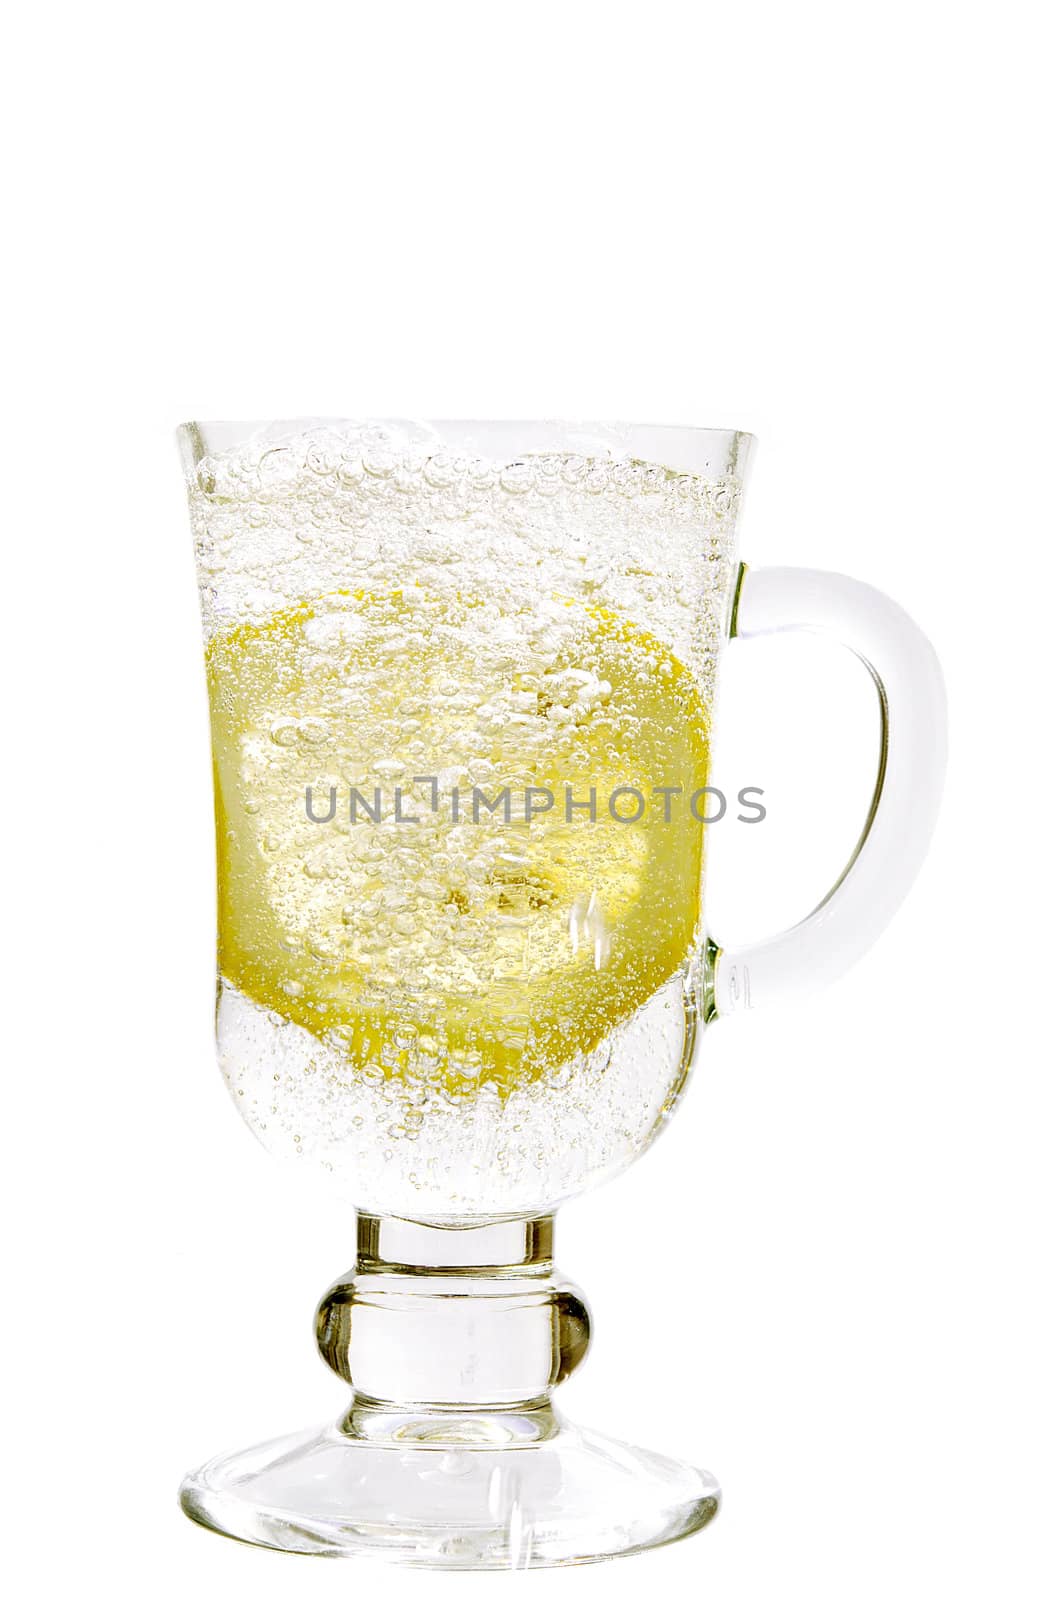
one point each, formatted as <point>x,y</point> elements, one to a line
<point>456,949</point>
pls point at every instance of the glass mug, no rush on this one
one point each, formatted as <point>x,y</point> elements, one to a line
<point>461,685</point>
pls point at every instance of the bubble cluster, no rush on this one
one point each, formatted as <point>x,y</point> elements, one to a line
<point>279,521</point>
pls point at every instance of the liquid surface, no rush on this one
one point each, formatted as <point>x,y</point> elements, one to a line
<point>459,951</point>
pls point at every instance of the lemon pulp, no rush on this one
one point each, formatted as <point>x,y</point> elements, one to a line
<point>449,948</point>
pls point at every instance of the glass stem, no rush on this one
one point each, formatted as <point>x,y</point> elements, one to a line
<point>440,1331</point>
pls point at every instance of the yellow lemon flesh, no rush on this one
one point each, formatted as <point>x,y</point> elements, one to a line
<point>458,949</point>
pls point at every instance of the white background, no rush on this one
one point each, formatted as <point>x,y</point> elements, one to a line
<point>835,1280</point>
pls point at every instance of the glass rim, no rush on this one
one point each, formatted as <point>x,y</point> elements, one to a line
<point>368,420</point>
<point>677,445</point>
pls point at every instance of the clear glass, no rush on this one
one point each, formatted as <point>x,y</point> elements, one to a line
<point>462,688</point>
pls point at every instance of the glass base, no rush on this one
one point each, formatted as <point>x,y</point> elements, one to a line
<point>478,1492</point>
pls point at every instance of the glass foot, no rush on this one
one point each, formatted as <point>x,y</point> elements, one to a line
<point>509,1491</point>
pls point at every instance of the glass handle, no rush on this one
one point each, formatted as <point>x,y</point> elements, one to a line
<point>907,794</point>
